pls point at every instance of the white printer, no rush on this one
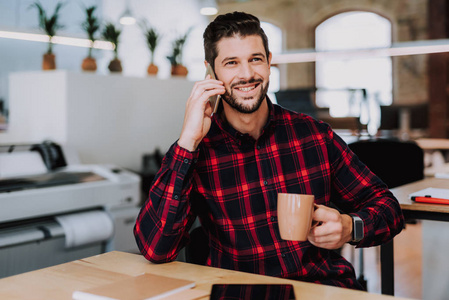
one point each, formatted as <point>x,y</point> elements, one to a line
<point>52,211</point>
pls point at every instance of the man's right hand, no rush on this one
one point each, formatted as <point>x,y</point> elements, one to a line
<point>197,118</point>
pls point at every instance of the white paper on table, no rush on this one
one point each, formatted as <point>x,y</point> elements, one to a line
<point>432,192</point>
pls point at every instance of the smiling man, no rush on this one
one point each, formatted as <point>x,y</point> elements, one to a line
<point>228,168</point>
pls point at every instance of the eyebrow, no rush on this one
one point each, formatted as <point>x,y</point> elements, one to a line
<point>257,54</point>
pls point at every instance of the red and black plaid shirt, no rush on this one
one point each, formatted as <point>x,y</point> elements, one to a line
<point>231,182</point>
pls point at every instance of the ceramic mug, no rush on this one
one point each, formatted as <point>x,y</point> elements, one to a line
<point>295,212</point>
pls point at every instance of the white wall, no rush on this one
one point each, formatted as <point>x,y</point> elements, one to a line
<point>105,118</point>
<point>170,17</point>
<point>17,55</point>
<point>32,121</point>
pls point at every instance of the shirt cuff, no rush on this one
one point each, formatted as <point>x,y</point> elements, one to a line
<point>181,159</point>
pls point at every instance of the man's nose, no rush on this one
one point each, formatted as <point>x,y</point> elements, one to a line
<point>246,71</point>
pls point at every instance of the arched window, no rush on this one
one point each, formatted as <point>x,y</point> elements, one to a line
<point>354,87</point>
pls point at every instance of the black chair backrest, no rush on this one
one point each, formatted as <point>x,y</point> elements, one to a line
<point>197,251</point>
<point>395,162</point>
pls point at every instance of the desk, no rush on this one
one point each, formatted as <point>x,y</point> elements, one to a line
<point>58,282</point>
<point>434,155</point>
<point>411,211</point>
<point>422,211</point>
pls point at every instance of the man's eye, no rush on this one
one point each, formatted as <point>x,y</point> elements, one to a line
<point>256,59</point>
<point>230,63</point>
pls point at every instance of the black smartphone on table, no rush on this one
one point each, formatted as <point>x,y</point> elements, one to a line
<point>252,292</point>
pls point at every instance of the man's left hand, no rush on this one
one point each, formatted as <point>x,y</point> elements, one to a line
<point>334,229</point>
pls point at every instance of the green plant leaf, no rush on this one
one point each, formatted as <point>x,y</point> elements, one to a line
<point>177,47</point>
<point>91,24</point>
<point>49,25</point>
<point>111,34</point>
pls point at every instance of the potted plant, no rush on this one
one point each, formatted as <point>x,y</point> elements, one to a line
<point>152,38</point>
<point>177,68</point>
<point>90,25</point>
<point>112,34</point>
<point>50,26</point>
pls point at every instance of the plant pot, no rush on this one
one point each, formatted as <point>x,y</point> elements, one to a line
<point>115,65</point>
<point>89,64</point>
<point>179,70</point>
<point>48,62</point>
<point>152,69</point>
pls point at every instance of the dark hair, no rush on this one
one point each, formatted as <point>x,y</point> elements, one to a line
<point>228,25</point>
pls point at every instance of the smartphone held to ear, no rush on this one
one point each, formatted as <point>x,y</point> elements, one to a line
<point>214,100</point>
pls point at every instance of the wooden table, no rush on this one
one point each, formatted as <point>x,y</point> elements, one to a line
<point>59,282</point>
<point>411,211</point>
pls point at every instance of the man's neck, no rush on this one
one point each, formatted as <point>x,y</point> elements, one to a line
<point>247,123</point>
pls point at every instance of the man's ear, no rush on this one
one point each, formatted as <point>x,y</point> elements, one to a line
<point>206,63</point>
<point>269,61</point>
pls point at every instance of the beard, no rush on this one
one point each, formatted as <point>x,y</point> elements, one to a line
<point>231,99</point>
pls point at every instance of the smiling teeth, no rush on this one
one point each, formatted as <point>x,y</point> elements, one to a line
<point>246,89</point>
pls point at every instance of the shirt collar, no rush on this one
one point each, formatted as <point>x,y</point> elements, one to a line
<point>226,127</point>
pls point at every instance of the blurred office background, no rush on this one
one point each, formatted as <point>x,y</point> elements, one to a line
<point>369,68</point>
<point>350,91</point>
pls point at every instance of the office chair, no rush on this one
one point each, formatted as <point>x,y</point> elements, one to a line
<point>197,251</point>
<point>394,161</point>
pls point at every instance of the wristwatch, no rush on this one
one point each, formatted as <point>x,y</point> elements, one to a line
<point>357,229</point>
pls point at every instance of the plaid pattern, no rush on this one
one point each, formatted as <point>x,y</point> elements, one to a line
<point>231,182</point>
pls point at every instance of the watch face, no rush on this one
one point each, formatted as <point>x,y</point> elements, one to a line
<point>357,233</point>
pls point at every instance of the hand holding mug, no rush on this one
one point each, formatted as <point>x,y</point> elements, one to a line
<point>334,231</point>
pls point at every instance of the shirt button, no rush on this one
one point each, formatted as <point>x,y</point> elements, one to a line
<point>273,219</point>
<point>186,161</point>
<point>265,182</point>
<point>258,147</point>
<point>175,197</point>
<point>283,255</point>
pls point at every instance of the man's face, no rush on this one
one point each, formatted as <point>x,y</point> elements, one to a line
<point>243,67</point>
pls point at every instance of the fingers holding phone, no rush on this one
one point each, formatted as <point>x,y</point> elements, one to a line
<point>207,90</point>
<point>199,110</point>
<point>214,100</point>
<point>213,89</point>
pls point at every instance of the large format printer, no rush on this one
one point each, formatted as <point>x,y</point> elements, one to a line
<point>53,211</point>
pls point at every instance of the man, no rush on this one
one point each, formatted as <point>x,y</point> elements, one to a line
<point>228,168</point>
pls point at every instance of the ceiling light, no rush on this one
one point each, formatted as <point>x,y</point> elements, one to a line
<point>69,41</point>
<point>127,17</point>
<point>208,7</point>
<point>397,49</point>
<point>208,11</point>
